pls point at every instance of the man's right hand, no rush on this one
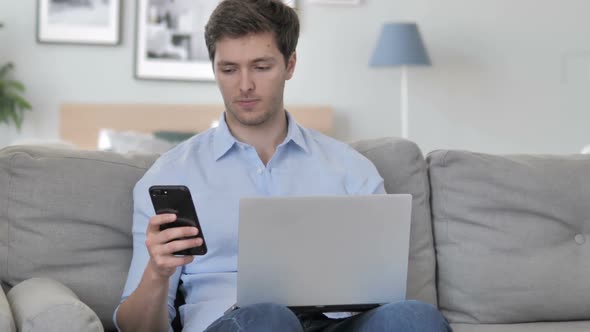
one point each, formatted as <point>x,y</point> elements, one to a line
<point>161,247</point>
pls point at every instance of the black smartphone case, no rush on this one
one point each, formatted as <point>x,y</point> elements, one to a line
<point>178,200</point>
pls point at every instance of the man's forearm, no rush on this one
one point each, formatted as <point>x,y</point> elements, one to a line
<point>146,309</point>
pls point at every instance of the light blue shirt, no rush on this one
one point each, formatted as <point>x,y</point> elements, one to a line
<point>219,170</point>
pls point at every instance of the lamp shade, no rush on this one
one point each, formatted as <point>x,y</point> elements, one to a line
<point>400,44</point>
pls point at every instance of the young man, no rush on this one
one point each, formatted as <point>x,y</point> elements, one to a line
<point>257,150</point>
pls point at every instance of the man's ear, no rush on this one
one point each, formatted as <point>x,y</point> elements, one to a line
<point>291,65</point>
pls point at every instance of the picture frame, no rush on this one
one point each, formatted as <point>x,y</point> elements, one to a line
<point>89,22</point>
<point>169,40</point>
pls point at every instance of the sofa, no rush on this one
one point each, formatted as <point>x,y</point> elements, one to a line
<point>498,242</point>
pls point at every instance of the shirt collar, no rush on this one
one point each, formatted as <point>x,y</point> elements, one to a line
<point>294,133</point>
<point>224,140</point>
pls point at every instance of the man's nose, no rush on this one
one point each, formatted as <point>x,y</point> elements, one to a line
<point>246,82</point>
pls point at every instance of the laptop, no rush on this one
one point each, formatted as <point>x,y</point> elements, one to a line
<point>324,253</point>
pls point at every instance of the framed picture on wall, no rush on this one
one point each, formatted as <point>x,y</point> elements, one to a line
<point>79,21</point>
<point>170,42</point>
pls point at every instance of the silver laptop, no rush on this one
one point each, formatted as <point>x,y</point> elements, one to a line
<point>324,253</point>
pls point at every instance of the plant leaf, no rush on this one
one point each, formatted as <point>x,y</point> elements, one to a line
<point>14,118</point>
<point>18,101</point>
<point>15,85</point>
<point>24,105</point>
<point>12,104</point>
<point>3,114</point>
<point>5,69</point>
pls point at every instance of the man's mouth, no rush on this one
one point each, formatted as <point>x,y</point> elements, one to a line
<point>247,103</point>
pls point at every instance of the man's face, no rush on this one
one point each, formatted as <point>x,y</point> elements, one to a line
<point>251,74</point>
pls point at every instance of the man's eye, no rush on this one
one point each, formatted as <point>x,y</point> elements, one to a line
<point>262,68</point>
<point>228,70</point>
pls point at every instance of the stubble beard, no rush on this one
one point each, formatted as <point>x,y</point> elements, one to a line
<point>260,119</point>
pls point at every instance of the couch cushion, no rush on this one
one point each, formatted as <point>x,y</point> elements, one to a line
<point>67,216</point>
<point>403,168</point>
<point>6,320</point>
<point>511,236</point>
<point>45,305</point>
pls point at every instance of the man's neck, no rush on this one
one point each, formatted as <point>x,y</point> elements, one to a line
<point>264,138</point>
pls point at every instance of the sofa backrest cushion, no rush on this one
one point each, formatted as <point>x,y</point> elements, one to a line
<point>66,215</point>
<point>511,236</point>
<point>402,166</point>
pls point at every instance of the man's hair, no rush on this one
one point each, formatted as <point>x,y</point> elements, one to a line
<point>238,18</point>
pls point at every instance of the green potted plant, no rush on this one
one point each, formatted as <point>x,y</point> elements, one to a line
<point>12,103</point>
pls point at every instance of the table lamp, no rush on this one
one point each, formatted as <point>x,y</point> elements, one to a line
<point>400,44</point>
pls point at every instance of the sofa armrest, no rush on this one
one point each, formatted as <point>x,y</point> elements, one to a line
<point>6,320</point>
<point>40,304</point>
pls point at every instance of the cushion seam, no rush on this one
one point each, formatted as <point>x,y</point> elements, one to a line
<point>8,217</point>
<point>443,189</point>
<point>372,149</point>
<point>79,158</point>
<point>54,306</point>
<point>446,236</point>
<point>426,206</point>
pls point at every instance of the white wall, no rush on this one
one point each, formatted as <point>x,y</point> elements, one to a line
<point>508,76</point>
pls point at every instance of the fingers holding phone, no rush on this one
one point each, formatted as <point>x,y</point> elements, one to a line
<point>180,239</point>
<point>162,245</point>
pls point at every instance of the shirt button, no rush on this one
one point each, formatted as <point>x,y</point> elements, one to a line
<point>580,239</point>
<point>259,170</point>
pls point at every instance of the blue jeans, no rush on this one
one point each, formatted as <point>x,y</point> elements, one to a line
<point>407,316</point>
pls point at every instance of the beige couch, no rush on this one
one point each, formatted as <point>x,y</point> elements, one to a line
<point>499,243</point>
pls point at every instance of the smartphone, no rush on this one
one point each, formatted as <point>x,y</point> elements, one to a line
<point>178,200</point>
